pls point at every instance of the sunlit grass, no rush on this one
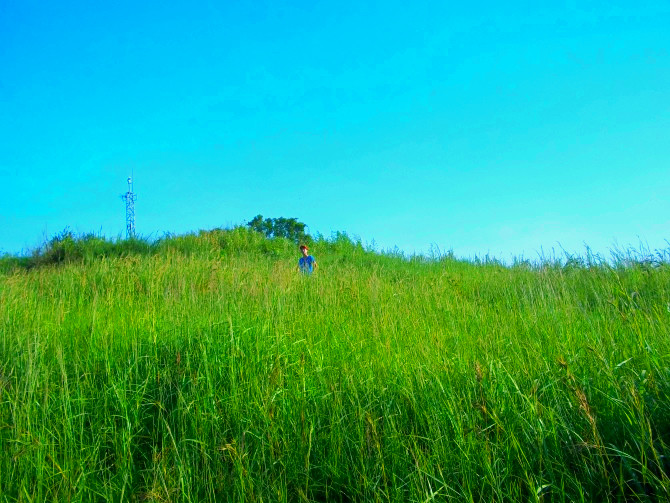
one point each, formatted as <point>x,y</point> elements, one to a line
<point>206,368</point>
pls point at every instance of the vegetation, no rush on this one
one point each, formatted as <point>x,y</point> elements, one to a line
<point>289,228</point>
<point>205,368</point>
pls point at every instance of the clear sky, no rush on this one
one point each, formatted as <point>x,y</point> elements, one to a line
<point>482,127</point>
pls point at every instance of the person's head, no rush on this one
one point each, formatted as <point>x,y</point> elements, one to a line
<point>304,250</point>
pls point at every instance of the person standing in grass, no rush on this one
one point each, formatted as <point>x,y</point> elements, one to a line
<point>306,264</point>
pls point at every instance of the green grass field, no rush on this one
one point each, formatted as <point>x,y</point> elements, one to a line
<point>206,368</point>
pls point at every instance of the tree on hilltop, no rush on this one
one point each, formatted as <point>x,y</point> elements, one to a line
<point>289,228</point>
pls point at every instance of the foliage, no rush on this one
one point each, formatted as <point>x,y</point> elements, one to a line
<point>67,248</point>
<point>289,228</point>
<point>203,367</point>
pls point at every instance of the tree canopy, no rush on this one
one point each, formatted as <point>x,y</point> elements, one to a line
<point>289,228</point>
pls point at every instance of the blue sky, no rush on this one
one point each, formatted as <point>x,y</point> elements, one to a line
<point>481,127</point>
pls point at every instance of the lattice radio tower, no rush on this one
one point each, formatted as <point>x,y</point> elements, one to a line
<point>129,197</point>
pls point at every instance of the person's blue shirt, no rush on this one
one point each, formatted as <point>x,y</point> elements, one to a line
<point>306,264</point>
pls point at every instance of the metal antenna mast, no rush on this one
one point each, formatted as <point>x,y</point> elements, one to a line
<point>130,198</point>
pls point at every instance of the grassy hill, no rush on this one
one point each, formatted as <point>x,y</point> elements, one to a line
<point>206,368</point>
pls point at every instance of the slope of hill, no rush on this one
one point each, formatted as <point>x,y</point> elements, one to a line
<point>206,368</point>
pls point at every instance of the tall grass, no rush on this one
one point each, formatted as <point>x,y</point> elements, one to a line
<point>206,368</point>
